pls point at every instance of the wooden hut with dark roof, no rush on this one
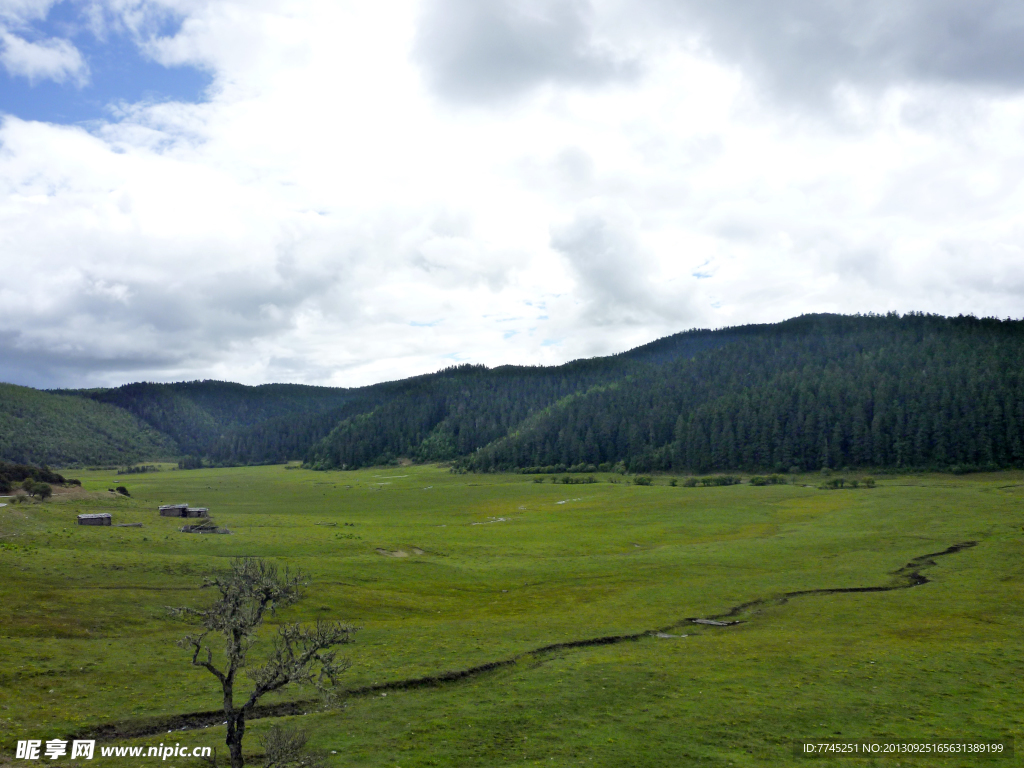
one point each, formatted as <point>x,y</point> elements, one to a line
<point>101,518</point>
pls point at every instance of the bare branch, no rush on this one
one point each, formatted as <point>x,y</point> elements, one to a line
<point>195,643</point>
<point>302,655</point>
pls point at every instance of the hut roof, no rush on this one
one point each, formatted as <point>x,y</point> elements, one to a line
<point>95,516</point>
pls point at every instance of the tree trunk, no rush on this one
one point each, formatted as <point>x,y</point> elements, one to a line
<point>236,730</point>
<point>236,723</point>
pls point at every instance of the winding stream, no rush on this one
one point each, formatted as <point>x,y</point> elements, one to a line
<point>904,578</point>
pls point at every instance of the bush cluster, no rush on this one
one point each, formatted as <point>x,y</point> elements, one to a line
<point>767,480</point>
<point>19,474</point>
<point>36,489</point>
<point>140,470</point>
<point>841,482</point>
<point>713,480</point>
<point>559,469</point>
<point>568,480</point>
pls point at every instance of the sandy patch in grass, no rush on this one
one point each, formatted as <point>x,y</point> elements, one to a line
<point>399,552</point>
<point>77,492</point>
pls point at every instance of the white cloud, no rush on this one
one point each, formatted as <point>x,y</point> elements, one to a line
<point>51,59</point>
<point>334,215</point>
<point>23,11</point>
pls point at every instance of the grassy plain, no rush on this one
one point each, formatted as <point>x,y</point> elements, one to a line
<point>509,565</point>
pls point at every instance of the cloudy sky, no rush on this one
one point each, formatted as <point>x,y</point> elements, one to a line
<point>346,192</point>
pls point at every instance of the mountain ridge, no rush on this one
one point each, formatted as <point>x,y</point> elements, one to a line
<point>817,390</point>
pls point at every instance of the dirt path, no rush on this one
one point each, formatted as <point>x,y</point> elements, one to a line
<point>904,578</point>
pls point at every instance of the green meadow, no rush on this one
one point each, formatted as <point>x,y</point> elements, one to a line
<point>444,572</point>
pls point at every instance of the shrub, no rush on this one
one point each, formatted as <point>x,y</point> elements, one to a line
<point>642,480</point>
<point>137,470</point>
<point>769,480</point>
<point>869,482</point>
<point>720,480</point>
<point>568,480</point>
<point>673,482</point>
<point>690,482</point>
<point>42,490</point>
<point>190,462</point>
<point>122,490</point>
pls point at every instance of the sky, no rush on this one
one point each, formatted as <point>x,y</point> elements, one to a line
<point>342,193</point>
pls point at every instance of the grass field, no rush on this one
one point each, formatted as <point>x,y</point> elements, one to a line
<point>508,566</point>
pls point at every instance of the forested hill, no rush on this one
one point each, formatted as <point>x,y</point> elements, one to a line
<point>44,428</point>
<point>459,411</point>
<point>814,391</point>
<point>453,413</point>
<point>234,423</point>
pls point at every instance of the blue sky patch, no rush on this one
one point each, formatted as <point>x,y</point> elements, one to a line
<point>117,72</point>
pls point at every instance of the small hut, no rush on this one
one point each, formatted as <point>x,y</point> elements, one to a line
<point>102,518</point>
<point>174,510</point>
<point>196,512</point>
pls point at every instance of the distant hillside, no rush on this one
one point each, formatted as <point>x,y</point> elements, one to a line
<point>43,428</point>
<point>232,423</point>
<point>816,391</point>
<point>455,412</point>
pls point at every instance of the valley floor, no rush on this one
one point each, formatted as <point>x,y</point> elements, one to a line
<point>448,572</point>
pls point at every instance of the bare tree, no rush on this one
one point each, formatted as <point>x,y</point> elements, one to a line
<point>252,589</point>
